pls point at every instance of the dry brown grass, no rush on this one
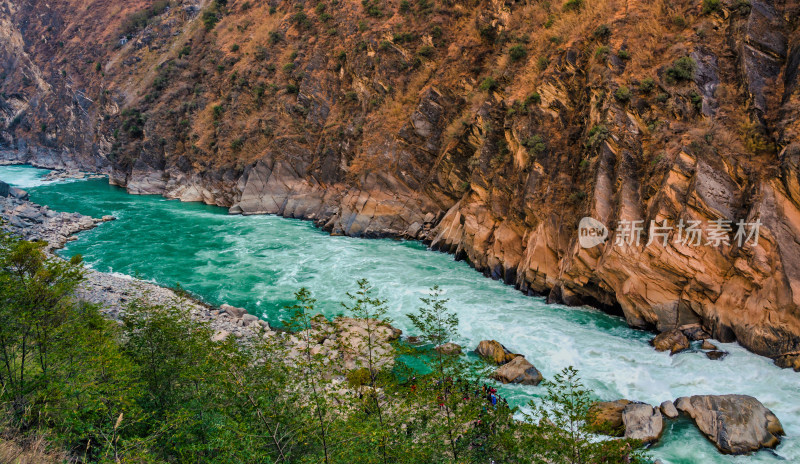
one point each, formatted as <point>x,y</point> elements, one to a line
<point>30,451</point>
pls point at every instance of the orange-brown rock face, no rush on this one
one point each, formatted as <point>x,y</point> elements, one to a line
<point>487,129</point>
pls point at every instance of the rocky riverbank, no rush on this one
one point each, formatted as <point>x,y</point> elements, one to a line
<point>337,340</point>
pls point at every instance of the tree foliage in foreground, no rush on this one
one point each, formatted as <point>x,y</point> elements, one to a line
<point>155,388</point>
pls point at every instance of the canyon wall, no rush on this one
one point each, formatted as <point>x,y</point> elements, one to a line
<point>487,129</point>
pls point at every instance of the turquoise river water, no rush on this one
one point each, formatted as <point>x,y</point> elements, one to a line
<point>257,262</point>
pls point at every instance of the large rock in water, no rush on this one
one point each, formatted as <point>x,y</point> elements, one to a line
<point>736,424</point>
<point>672,340</point>
<point>493,351</point>
<point>518,370</point>
<point>642,422</point>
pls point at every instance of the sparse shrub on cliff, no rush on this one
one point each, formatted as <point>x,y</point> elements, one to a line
<point>533,99</point>
<point>235,48</point>
<point>601,32</point>
<point>384,45</point>
<point>682,69</point>
<point>647,85</point>
<point>300,20</point>
<point>597,134</point>
<point>140,19</point>
<point>275,37</point>
<point>292,89</point>
<point>535,144</point>
<point>542,63</point>
<point>372,8</point>
<point>662,97</point>
<point>405,6</point>
<point>488,84</point>
<point>517,52</point>
<point>711,6</point>
<point>133,123</point>
<point>601,52</point>
<point>624,54</point>
<point>573,5</point>
<point>403,37</point>
<point>623,94</point>
<point>577,197</point>
<point>426,50</point>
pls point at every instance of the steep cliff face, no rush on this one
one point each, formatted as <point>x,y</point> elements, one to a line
<point>485,128</point>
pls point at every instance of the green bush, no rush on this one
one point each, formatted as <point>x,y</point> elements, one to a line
<point>601,32</point>
<point>235,48</point>
<point>533,99</point>
<point>573,5</point>
<point>623,94</point>
<point>372,8</point>
<point>426,51</point>
<point>210,18</point>
<point>597,134</point>
<point>292,89</point>
<point>682,69</point>
<point>601,52</point>
<point>488,84</point>
<point>624,54</point>
<point>542,63</point>
<point>517,52</point>
<point>711,6</point>
<point>535,144</point>
<point>647,85</point>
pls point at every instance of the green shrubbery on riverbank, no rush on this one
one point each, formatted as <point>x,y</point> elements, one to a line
<point>156,388</point>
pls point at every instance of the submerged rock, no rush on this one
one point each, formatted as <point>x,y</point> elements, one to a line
<point>716,355</point>
<point>494,351</point>
<point>518,370</point>
<point>736,424</point>
<point>449,348</point>
<point>673,341</point>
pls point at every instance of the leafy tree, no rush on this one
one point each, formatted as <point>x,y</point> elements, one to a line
<point>560,430</point>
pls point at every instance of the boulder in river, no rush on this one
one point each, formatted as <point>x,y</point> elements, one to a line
<point>736,424</point>
<point>707,345</point>
<point>606,417</point>
<point>518,370</point>
<point>642,422</point>
<point>669,410</point>
<point>493,351</point>
<point>672,340</point>
<point>716,354</point>
<point>449,348</point>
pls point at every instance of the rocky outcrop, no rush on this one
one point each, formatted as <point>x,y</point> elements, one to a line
<point>519,370</point>
<point>669,410</point>
<point>642,422</point>
<point>673,341</point>
<point>494,352</point>
<point>736,424</point>
<point>34,222</point>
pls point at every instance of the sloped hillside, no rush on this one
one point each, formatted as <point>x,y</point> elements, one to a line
<point>486,128</point>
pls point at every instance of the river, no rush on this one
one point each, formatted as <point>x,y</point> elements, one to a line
<point>258,262</point>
